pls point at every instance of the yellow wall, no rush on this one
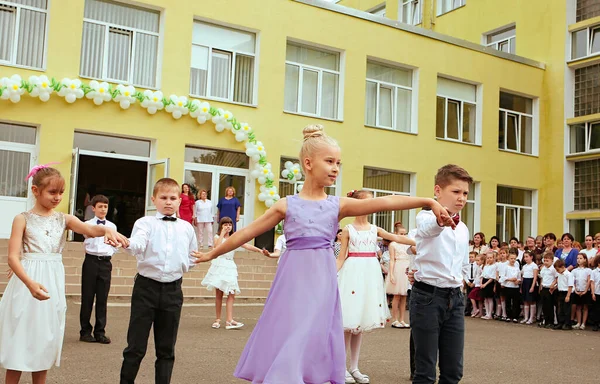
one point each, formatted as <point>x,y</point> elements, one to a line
<point>280,132</point>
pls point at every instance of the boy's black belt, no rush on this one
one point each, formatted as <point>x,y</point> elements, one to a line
<point>435,290</point>
<point>103,258</point>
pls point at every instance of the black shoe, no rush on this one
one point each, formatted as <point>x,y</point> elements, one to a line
<point>557,326</point>
<point>566,327</point>
<point>87,338</point>
<point>548,326</point>
<point>103,339</point>
<point>595,328</point>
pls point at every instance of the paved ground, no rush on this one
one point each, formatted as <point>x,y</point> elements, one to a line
<point>495,352</point>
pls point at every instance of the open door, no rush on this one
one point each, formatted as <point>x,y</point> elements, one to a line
<point>157,169</point>
<point>73,189</point>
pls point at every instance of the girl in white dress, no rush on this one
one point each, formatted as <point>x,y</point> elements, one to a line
<point>33,307</point>
<point>222,276</point>
<point>362,291</point>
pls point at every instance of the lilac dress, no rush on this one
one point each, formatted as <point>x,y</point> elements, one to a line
<point>299,337</point>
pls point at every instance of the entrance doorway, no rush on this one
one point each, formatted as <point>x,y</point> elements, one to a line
<point>122,181</point>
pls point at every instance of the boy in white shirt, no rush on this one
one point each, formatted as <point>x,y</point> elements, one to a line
<point>565,287</point>
<point>95,276</point>
<point>162,244</point>
<point>548,276</point>
<point>437,303</point>
<point>469,280</point>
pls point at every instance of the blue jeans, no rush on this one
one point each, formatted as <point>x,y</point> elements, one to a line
<point>437,322</point>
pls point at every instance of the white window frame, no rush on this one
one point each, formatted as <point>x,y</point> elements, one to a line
<point>411,192</point>
<point>534,125</point>
<point>511,40</point>
<point>320,71</point>
<point>394,87</point>
<point>476,201</point>
<point>234,55</point>
<point>15,48</point>
<point>409,7</point>
<point>461,105</point>
<point>378,10</point>
<point>588,137</point>
<point>518,208</point>
<point>454,4</point>
<point>588,39</point>
<point>134,32</point>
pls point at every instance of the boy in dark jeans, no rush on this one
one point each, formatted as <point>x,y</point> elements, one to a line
<point>565,286</point>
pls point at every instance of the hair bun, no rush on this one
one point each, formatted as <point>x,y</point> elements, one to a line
<point>313,130</point>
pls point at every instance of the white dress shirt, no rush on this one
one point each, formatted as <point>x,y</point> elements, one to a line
<point>469,271</point>
<point>565,280</point>
<point>548,275</point>
<point>511,272</point>
<point>442,252</point>
<point>501,269</point>
<point>162,248</point>
<point>589,253</point>
<point>595,277</point>
<point>204,211</point>
<point>280,244</point>
<point>489,271</point>
<point>528,269</point>
<point>477,279</point>
<point>580,278</point>
<point>96,245</point>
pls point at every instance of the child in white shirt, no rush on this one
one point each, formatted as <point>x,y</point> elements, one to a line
<point>510,281</point>
<point>565,286</point>
<point>548,277</point>
<point>488,284</point>
<point>595,288</point>
<point>582,297</point>
<point>529,273</point>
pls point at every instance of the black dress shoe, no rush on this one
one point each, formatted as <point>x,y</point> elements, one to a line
<point>103,339</point>
<point>87,338</point>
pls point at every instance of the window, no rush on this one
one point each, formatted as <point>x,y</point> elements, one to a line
<point>217,157</point>
<point>514,213</point>
<point>580,228</point>
<point>286,188</point>
<point>456,111</point>
<point>111,144</point>
<point>586,9</point>
<point>385,183</point>
<point>585,42</point>
<point>17,145</point>
<point>445,6</point>
<point>587,185</point>
<point>503,40</point>
<point>587,90</point>
<point>23,32</point>
<point>120,43</point>
<point>388,100</point>
<point>223,63</point>
<point>516,123</point>
<point>469,214</point>
<point>410,11</point>
<point>584,137</point>
<point>378,10</point>
<point>312,81</point>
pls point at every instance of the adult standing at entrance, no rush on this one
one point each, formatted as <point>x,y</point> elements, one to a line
<point>203,219</point>
<point>186,208</point>
<point>229,206</point>
<point>567,253</point>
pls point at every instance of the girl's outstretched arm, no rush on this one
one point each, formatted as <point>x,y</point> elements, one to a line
<point>14,262</point>
<point>396,238</point>
<point>361,207</point>
<point>113,237</point>
<point>259,226</point>
<point>343,249</point>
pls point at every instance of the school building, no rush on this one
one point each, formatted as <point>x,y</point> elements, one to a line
<point>215,93</point>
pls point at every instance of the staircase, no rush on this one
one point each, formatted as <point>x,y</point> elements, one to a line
<point>255,275</point>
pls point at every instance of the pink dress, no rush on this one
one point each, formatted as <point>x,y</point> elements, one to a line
<point>401,280</point>
<point>186,209</point>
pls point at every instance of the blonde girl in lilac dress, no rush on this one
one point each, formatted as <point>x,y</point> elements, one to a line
<point>300,338</point>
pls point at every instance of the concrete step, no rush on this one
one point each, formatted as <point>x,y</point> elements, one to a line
<point>256,273</point>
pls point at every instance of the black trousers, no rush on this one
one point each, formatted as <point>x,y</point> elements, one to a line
<point>548,306</point>
<point>95,283</point>
<point>512,297</point>
<point>563,310</point>
<point>411,346</point>
<point>158,304</point>
<point>468,305</point>
<point>594,318</point>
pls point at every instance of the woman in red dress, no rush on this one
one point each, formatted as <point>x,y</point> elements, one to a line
<point>186,209</point>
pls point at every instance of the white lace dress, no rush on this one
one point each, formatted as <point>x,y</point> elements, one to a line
<point>361,286</point>
<point>222,274</point>
<point>32,331</point>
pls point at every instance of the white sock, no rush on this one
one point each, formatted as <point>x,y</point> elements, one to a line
<point>526,312</point>
<point>504,308</point>
<point>533,312</point>
<point>355,344</point>
<point>498,307</point>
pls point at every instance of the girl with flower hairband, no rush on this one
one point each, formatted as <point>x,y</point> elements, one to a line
<point>33,307</point>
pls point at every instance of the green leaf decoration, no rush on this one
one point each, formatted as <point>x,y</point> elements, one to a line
<point>86,89</point>
<point>113,92</point>
<point>269,183</point>
<point>139,96</point>
<point>189,105</point>
<point>290,176</point>
<point>56,85</point>
<point>262,161</point>
<point>2,90</point>
<point>26,85</point>
<point>166,102</point>
<point>252,138</point>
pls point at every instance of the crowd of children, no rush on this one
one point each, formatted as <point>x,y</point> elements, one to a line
<point>554,287</point>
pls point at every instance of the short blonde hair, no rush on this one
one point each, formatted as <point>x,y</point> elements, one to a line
<point>165,183</point>
<point>314,138</point>
<point>228,188</point>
